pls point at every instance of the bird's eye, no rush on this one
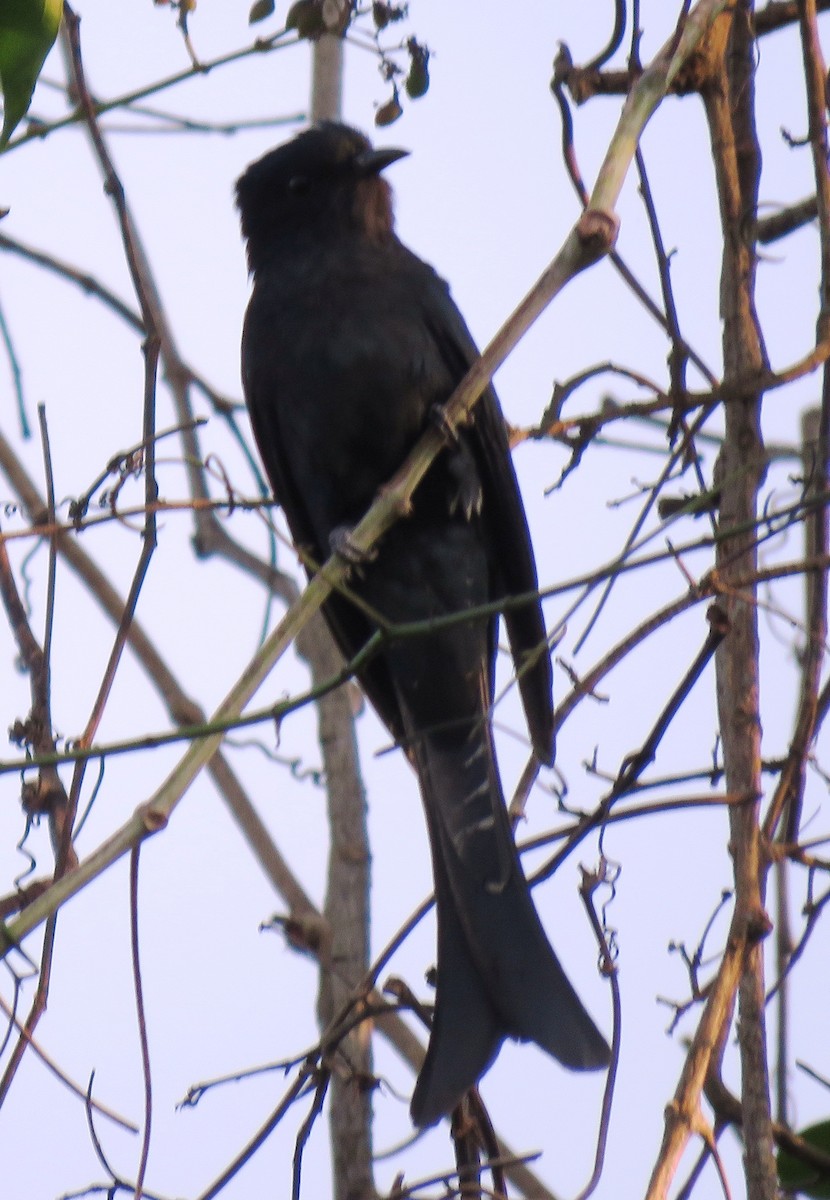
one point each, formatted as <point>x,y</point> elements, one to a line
<point>298,184</point>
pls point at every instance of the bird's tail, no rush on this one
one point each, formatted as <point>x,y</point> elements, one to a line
<point>497,975</point>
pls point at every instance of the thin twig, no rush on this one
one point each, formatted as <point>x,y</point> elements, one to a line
<point>142,1024</point>
<point>51,1065</point>
<point>278,41</point>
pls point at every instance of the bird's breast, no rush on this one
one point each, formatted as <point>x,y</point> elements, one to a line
<point>351,375</point>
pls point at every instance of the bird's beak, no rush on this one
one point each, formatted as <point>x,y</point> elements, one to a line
<point>372,162</point>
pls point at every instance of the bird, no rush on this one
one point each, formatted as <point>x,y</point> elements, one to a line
<point>351,345</point>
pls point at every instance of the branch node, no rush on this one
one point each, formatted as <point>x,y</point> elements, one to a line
<point>153,818</point>
<point>597,231</point>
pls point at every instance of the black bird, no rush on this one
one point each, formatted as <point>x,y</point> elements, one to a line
<point>351,345</point>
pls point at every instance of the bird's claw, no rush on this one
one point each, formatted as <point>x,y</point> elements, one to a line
<point>341,544</point>
<point>467,497</point>
<point>438,417</point>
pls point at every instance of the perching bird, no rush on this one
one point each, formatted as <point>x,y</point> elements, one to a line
<point>351,345</point>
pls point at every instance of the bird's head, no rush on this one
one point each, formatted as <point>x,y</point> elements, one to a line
<point>325,180</point>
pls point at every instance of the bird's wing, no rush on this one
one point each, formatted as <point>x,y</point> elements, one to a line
<point>350,627</point>
<point>351,632</point>
<point>504,517</point>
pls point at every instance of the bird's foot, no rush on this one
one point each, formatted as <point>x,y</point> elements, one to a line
<point>438,417</point>
<point>467,497</point>
<point>341,544</point>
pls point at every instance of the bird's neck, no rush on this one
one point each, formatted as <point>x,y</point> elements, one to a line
<point>372,209</point>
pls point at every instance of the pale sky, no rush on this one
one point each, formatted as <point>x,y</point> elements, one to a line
<point>485,198</point>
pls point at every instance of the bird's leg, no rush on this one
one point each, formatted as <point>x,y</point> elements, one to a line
<point>438,417</point>
<point>341,544</point>
<point>467,497</point>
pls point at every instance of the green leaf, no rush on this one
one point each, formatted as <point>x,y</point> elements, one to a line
<point>797,1176</point>
<point>384,14</point>
<point>417,81</point>
<point>28,29</point>
<point>260,10</point>
<point>306,16</point>
<point>380,15</point>
<point>389,112</point>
